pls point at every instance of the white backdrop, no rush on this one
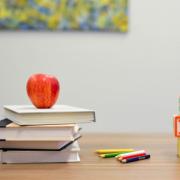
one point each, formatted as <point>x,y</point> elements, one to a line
<point>132,80</point>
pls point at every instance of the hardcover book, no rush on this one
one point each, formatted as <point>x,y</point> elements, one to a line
<point>37,145</point>
<point>58,114</point>
<point>10,131</point>
<point>70,154</point>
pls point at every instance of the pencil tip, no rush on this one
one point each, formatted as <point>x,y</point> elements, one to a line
<point>101,155</point>
<point>123,161</point>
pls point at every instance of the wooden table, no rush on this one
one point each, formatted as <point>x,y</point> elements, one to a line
<point>163,164</point>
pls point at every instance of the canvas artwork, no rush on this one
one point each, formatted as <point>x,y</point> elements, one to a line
<point>85,15</point>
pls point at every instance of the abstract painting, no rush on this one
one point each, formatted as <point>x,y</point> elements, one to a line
<point>68,15</point>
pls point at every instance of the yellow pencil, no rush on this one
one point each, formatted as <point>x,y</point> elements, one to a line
<point>104,151</point>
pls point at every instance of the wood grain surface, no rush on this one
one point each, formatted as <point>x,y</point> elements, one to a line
<point>163,164</point>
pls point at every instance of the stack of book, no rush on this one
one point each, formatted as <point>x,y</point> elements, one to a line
<point>31,135</point>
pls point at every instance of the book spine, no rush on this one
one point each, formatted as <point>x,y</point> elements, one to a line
<point>1,157</point>
<point>94,114</point>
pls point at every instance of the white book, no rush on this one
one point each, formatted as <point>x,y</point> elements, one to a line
<point>58,114</point>
<point>70,154</point>
<point>10,131</point>
<point>36,145</point>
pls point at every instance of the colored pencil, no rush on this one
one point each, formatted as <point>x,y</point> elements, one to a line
<point>132,156</point>
<point>111,155</point>
<point>136,159</point>
<point>107,151</point>
<point>128,155</point>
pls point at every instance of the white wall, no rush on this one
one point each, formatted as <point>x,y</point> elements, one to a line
<point>132,80</point>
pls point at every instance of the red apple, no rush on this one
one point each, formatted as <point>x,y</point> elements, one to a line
<point>43,90</point>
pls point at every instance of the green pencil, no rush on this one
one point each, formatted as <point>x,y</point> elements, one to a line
<point>111,155</point>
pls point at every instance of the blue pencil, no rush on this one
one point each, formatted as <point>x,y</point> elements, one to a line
<point>128,160</point>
